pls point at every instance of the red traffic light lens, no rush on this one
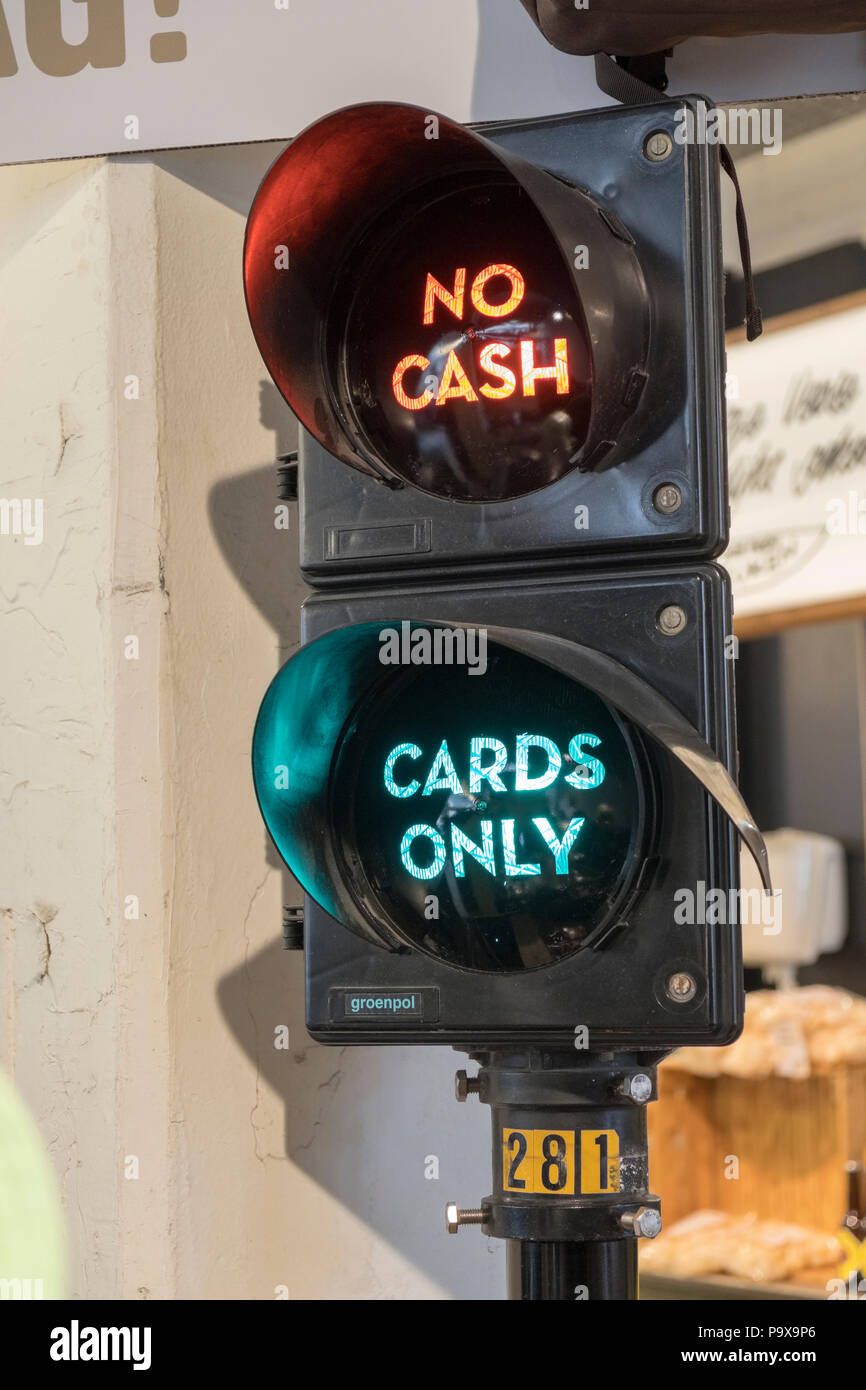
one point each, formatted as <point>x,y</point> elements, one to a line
<point>440,312</point>
<point>463,355</point>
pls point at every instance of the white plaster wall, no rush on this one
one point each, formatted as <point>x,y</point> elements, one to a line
<point>60,1015</point>
<point>142,968</point>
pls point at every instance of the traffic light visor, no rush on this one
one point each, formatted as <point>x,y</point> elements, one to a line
<point>440,312</point>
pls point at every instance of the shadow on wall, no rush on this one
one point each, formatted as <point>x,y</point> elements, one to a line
<point>368,1124</point>
<point>365,1123</point>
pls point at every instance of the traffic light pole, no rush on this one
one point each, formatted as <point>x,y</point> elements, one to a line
<point>554,1269</point>
<point>570,1169</point>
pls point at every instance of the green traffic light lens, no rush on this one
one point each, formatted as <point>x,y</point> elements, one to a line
<point>438,790</point>
<point>497,820</point>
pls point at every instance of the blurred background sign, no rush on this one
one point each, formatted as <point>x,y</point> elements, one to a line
<point>797,397</point>
<point>797,449</point>
<point>84,77</point>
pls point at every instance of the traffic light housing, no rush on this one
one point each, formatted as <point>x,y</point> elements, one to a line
<point>607,260</point>
<point>527,904</point>
<point>506,352</point>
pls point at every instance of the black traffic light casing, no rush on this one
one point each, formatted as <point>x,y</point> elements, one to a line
<point>617,987</point>
<point>380,269</point>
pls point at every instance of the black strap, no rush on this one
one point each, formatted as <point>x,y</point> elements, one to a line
<point>616,81</point>
<point>754,322</point>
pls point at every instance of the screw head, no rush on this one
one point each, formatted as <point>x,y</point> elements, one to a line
<point>671,620</point>
<point>667,498</point>
<point>452,1218</point>
<point>681,987</point>
<point>640,1088</point>
<point>658,146</point>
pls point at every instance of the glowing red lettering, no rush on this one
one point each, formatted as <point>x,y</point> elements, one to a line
<point>411,402</point>
<point>454,382</point>
<point>518,290</point>
<point>531,373</point>
<point>452,301</point>
<point>506,377</point>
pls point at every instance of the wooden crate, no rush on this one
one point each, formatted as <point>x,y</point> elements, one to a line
<point>792,1140</point>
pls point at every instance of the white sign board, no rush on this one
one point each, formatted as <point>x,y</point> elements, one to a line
<point>797,456</point>
<point>84,77</point>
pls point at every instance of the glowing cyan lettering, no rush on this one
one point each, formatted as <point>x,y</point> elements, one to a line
<point>403,750</point>
<point>439,851</point>
<point>478,772</point>
<point>443,773</point>
<point>560,849</point>
<point>522,781</point>
<point>589,772</point>
<point>483,853</point>
<point>509,854</point>
<point>489,759</point>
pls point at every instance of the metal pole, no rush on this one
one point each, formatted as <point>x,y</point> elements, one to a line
<point>570,1169</point>
<point>571,1271</point>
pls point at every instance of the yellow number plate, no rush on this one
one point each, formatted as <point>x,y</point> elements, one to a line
<point>542,1161</point>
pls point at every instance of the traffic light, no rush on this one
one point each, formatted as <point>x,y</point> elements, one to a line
<point>507,741</point>
<point>527,809</point>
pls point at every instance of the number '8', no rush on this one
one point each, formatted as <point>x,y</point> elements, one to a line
<point>554,1168</point>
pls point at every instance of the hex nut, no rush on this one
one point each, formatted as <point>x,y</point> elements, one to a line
<point>646,1222</point>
